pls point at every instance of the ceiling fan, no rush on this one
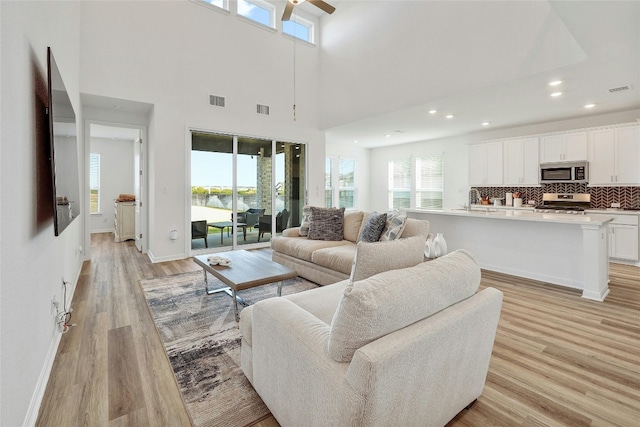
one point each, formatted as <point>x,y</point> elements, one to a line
<point>318,3</point>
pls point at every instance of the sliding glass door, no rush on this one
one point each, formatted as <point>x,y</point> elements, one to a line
<point>243,190</point>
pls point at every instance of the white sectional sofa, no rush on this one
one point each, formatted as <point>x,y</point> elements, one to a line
<point>326,262</point>
<point>406,347</point>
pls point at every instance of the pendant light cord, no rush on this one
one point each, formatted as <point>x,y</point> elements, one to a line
<point>294,80</point>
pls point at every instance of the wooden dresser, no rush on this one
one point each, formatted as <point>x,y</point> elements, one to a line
<point>124,221</point>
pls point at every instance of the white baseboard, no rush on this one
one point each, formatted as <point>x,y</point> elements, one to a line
<point>38,394</point>
<point>175,257</point>
<point>106,230</point>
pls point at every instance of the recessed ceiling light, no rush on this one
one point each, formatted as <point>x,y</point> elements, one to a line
<point>433,111</point>
<point>387,136</point>
<point>555,83</point>
<point>486,123</point>
<point>449,116</point>
<point>589,105</point>
<point>554,94</point>
<point>355,141</point>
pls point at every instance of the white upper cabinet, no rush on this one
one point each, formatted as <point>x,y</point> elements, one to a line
<point>564,147</point>
<point>485,164</point>
<point>614,157</point>
<point>521,164</point>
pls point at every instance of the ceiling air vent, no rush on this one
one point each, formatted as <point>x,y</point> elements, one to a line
<point>262,109</point>
<point>619,88</point>
<point>217,101</point>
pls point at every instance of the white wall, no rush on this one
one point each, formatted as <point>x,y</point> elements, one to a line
<point>456,159</point>
<point>177,70</point>
<point>32,259</point>
<point>116,177</point>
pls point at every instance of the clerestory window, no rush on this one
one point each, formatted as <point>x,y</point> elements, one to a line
<point>299,28</point>
<point>258,11</point>
<point>219,4</point>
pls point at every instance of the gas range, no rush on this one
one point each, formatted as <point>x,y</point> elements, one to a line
<point>564,203</point>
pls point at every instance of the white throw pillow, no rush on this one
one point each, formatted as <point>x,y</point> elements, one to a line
<point>375,257</point>
<point>394,227</point>
<point>392,300</point>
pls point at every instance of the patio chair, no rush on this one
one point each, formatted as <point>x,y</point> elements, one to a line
<point>200,230</point>
<point>251,217</point>
<point>282,219</point>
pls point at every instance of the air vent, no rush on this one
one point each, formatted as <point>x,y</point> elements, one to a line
<point>262,109</point>
<point>217,101</point>
<point>619,88</point>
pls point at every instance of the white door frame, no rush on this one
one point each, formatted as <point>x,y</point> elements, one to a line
<point>143,226</point>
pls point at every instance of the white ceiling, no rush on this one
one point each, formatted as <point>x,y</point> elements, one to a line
<point>385,64</point>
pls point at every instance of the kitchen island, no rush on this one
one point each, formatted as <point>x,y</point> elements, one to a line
<point>562,249</point>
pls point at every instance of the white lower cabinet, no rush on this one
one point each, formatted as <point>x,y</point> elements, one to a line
<point>623,237</point>
<point>124,221</point>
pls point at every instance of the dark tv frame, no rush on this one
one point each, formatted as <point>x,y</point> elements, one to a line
<point>63,146</point>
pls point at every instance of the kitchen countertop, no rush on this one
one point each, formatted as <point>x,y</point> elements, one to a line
<point>612,211</point>
<point>491,212</point>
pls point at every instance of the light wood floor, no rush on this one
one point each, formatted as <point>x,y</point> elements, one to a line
<point>558,359</point>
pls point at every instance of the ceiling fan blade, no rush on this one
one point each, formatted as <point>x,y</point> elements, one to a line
<point>322,5</point>
<point>287,11</point>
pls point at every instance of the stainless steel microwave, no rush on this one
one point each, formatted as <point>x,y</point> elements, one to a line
<point>570,172</point>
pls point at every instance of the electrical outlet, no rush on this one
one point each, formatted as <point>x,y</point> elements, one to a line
<point>615,205</point>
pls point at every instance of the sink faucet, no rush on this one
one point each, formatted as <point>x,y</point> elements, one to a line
<point>477,196</point>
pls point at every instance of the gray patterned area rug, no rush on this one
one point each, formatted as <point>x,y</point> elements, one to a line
<point>202,340</point>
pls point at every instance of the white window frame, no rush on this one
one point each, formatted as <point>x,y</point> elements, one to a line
<point>305,23</point>
<point>437,187</point>
<point>336,185</point>
<point>342,187</point>
<point>224,8</point>
<point>97,178</point>
<point>414,188</point>
<point>262,5</point>
<point>392,189</point>
<point>330,188</point>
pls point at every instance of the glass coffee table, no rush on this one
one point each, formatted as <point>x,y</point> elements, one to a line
<point>247,270</point>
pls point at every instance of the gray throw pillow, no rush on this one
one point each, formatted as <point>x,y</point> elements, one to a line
<point>326,224</point>
<point>306,221</point>
<point>373,227</point>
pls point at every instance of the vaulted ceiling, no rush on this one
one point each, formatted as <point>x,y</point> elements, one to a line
<point>386,64</point>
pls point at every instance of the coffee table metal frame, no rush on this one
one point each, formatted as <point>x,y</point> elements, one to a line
<point>246,271</point>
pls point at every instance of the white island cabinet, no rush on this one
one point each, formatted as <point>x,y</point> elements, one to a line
<point>566,250</point>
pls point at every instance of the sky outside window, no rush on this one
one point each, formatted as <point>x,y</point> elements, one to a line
<point>214,169</point>
<point>296,30</point>
<point>253,12</point>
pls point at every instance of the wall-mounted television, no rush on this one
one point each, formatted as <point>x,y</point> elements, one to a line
<point>63,143</point>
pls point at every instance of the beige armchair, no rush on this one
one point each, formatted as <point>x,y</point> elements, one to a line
<point>334,356</point>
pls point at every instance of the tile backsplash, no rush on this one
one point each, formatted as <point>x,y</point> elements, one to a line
<point>601,197</point>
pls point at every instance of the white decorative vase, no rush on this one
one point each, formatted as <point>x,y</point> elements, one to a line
<point>439,245</point>
<point>429,248</point>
